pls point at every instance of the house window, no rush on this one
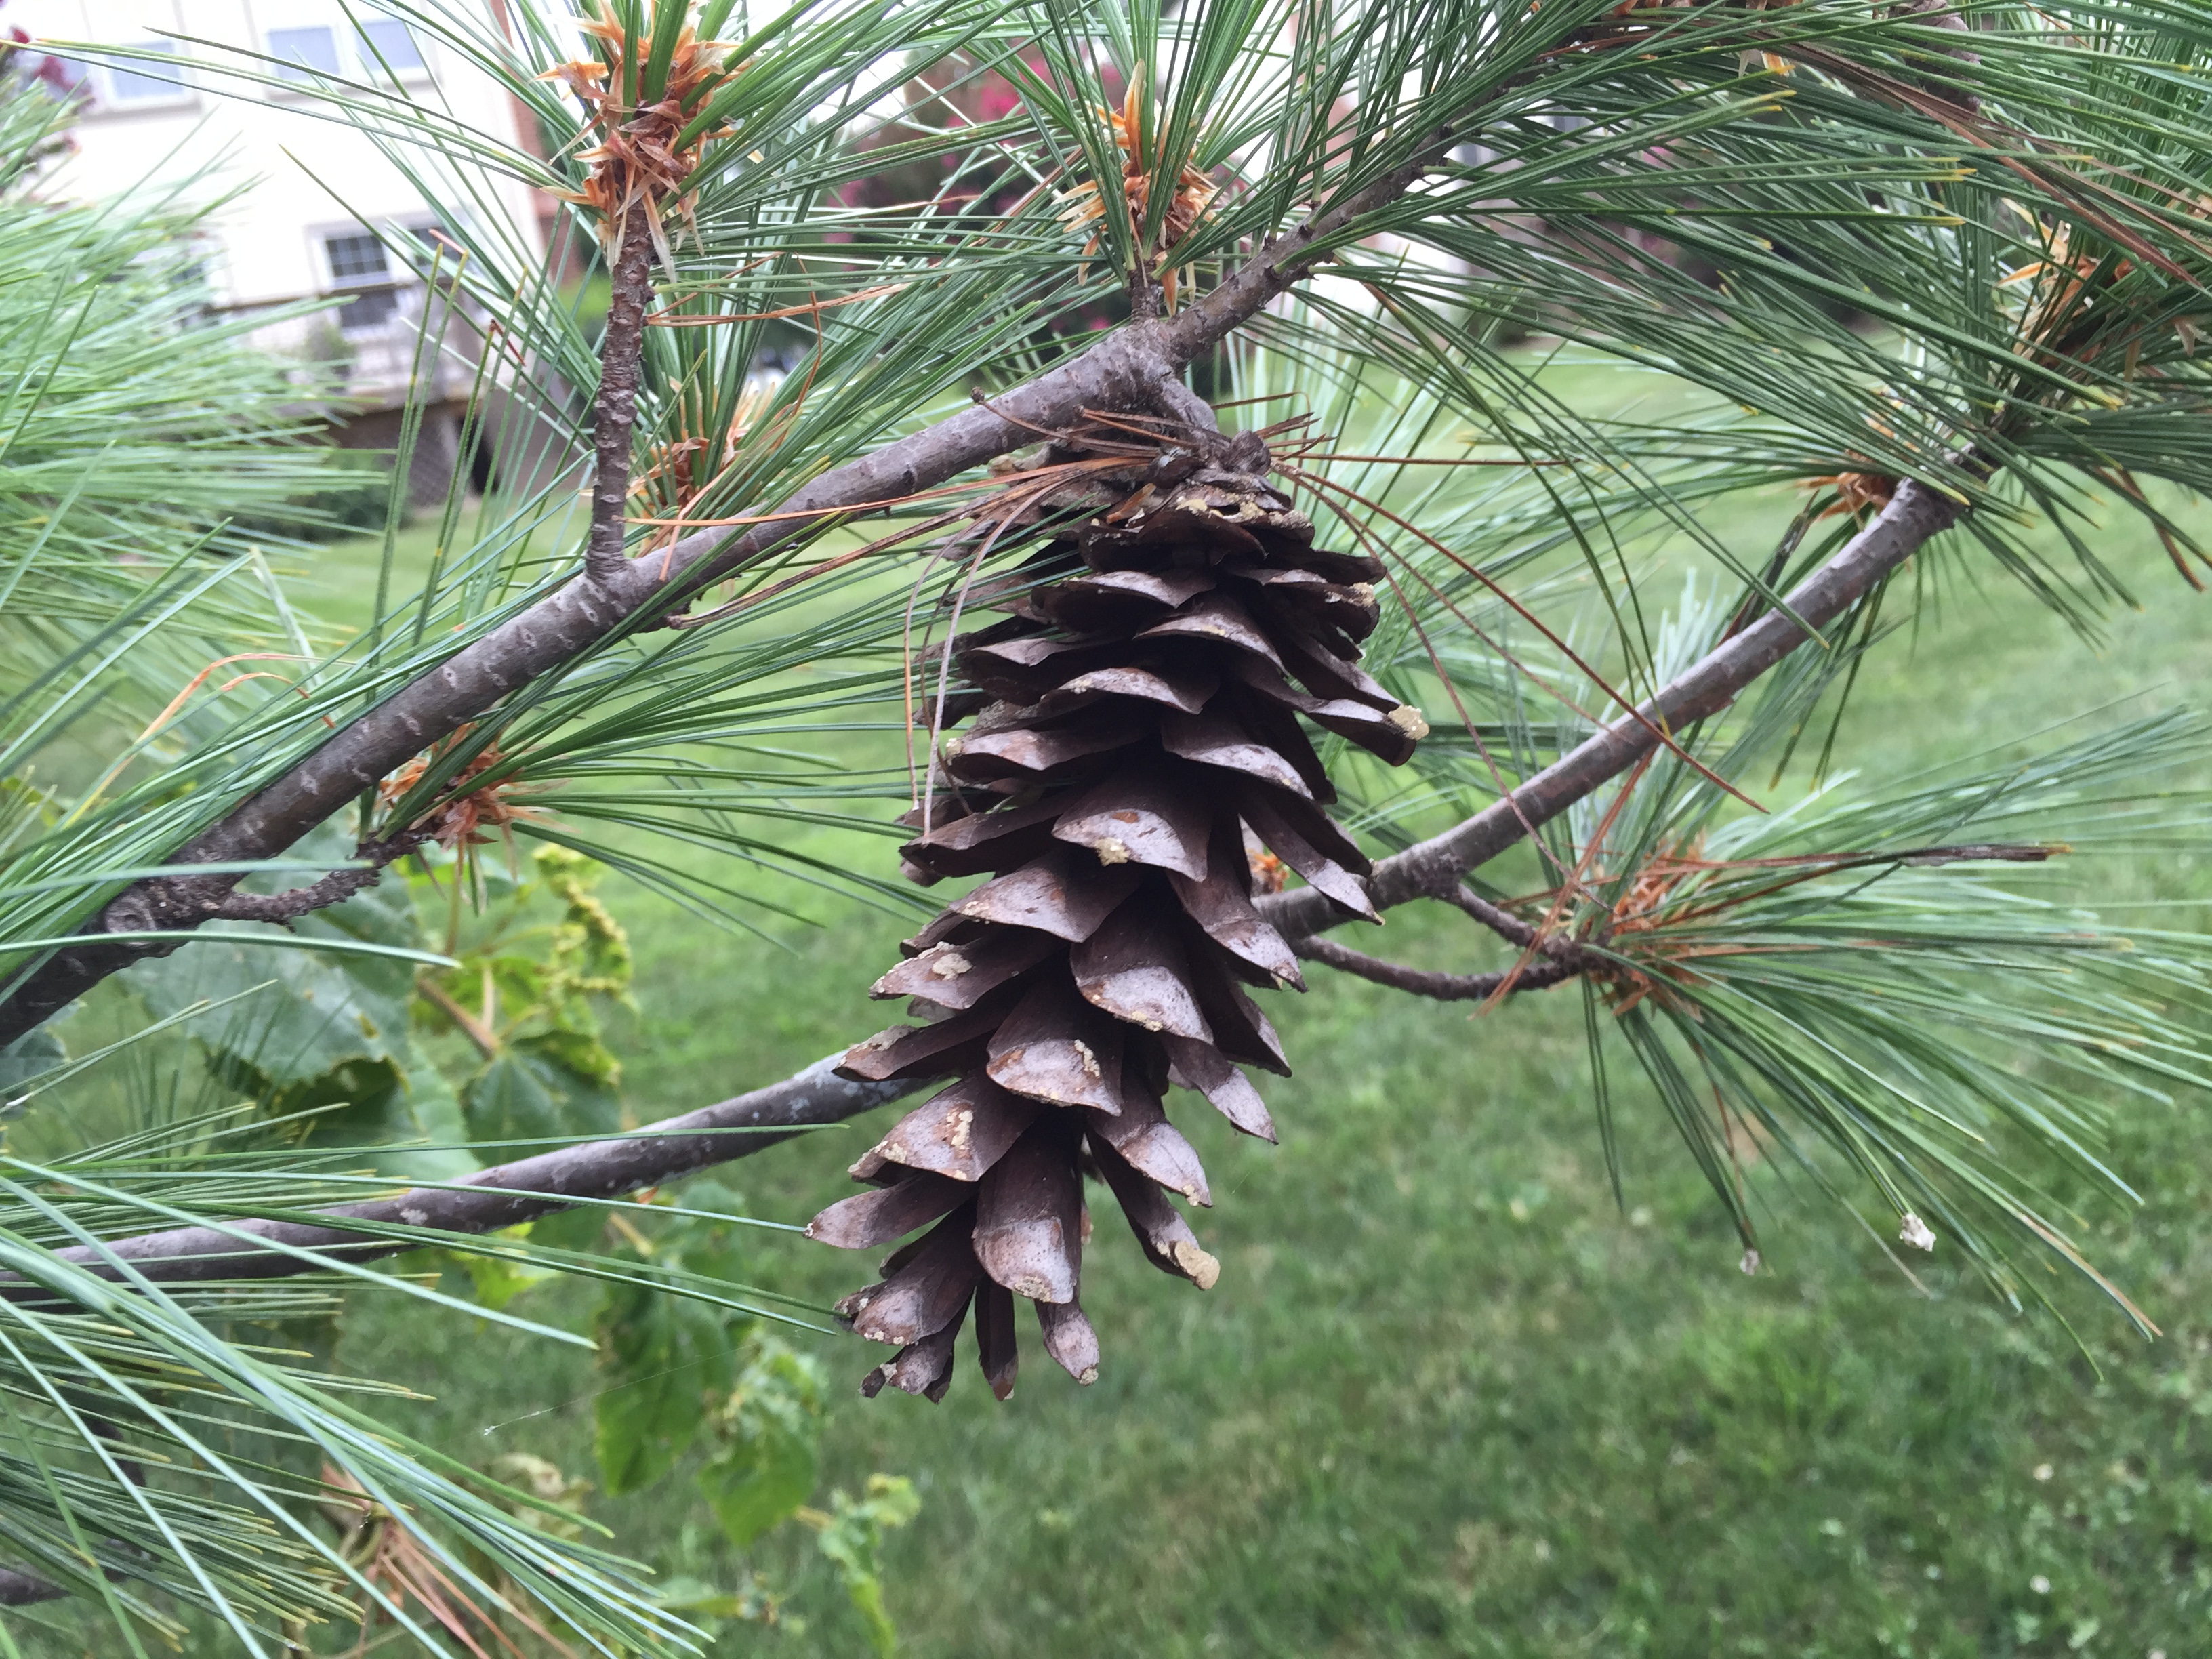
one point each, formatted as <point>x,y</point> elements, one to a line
<point>305,55</point>
<point>356,259</point>
<point>439,250</point>
<point>128,87</point>
<point>388,45</point>
<point>371,309</point>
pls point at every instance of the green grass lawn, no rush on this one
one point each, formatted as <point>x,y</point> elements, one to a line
<point>1448,1398</point>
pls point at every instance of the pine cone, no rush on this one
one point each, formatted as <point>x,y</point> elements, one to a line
<point>1135,721</point>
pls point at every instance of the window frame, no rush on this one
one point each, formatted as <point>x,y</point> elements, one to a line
<point>352,52</point>
<point>100,79</point>
<point>301,79</point>
<point>381,289</point>
<point>365,50</point>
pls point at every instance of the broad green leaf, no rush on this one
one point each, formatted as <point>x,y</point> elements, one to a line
<point>313,1017</point>
<point>771,1429</point>
<point>499,1279</point>
<point>526,1093</point>
<point>849,1538</point>
<point>578,1054</point>
<point>666,1361</point>
<point>428,1115</point>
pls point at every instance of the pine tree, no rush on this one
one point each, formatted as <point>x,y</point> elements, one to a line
<point>1159,479</point>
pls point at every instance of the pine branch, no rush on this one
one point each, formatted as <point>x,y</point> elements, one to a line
<point>323,891</point>
<point>1506,926</point>
<point>1130,369</point>
<point>1563,958</point>
<point>1433,868</point>
<point>492,1199</point>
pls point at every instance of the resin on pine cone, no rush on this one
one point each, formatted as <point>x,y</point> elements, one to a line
<point>1135,729</point>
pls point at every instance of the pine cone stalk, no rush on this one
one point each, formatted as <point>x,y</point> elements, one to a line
<point>1136,731</point>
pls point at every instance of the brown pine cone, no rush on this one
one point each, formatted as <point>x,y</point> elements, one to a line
<point>1136,719</point>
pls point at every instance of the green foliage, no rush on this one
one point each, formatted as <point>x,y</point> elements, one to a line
<point>298,1032</point>
<point>102,1376</point>
<point>134,427</point>
<point>1904,972</point>
<point>544,1072</point>
<point>496,1281</point>
<point>1452,1398</point>
<point>850,1535</point>
<point>668,1362</point>
<point>529,1092</point>
<point>762,1468</point>
<point>663,1355</point>
<point>324,1042</point>
<point>678,1375</point>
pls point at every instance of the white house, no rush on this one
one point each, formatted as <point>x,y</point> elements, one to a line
<point>319,191</point>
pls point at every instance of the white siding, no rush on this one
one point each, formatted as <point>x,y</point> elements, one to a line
<point>309,178</point>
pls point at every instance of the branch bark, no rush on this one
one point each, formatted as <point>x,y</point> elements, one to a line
<point>20,1590</point>
<point>1123,371</point>
<point>1563,958</point>
<point>492,1199</point>
<point>614,411</point>
<point>1421,982</point>
<point>324,891</point>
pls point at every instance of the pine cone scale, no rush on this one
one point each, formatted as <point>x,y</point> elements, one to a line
<point>958,1134</point>
<point>1158,815</point>
<point>868,1221</point>
<point>926,1293</point>
<point>923,1051</point>
<point>995,1350</point>
<point>1065,892</point>
<point>1168,1240</point>
<point>923,1368</point>
<point>1187,691</point>
<point>1221,907</point>
<point>1135,968</point>
<point>959,976</point>
<point>1202,1066</point>
<point>1141,1133</point>
<point>1218,740</point>
<point>1218,617</point>
<point>1027,1216</point>
<point>1069,1338</point>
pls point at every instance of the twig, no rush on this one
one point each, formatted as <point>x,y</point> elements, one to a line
<point>488,1200</point>
<point>474,1029</point>
<point>324,891</point>
<point>1420,982</point>
<point>1506,926</point>
<point>23,1590</point>
<point>614,416</point>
